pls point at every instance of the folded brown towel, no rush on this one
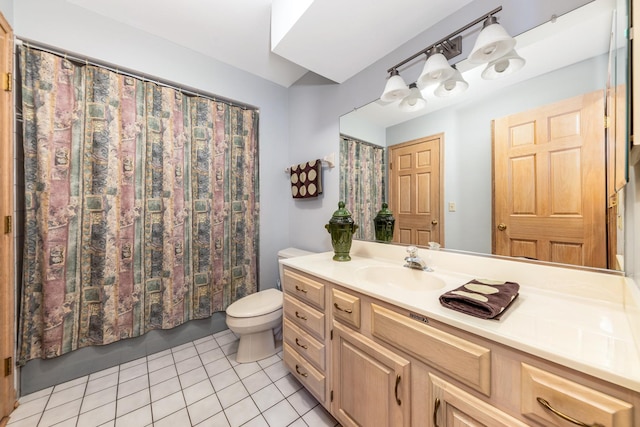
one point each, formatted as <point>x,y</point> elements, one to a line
<point>306,179</point>
<point>486,299</point>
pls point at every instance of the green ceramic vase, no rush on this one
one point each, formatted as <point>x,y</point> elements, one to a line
<point>384,223</point>
<point>341,227</point>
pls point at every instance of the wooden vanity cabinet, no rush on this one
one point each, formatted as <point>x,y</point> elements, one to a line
<point>304,332</point>
<point>376,364</point>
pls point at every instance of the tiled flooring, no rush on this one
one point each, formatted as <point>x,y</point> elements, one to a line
<point>195,384</point>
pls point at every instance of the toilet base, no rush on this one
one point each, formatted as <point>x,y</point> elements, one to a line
<point>256,346</point>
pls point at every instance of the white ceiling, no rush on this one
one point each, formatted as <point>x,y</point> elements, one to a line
<point>333,38</point>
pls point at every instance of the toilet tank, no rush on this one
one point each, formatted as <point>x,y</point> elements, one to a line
<point>288,253</point>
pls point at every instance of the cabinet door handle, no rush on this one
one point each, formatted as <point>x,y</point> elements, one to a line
<point>304,374</point>
<point>564,416</point>
<point>299,316</point>
<point>346,310</point>
<point>299,289</point>
<point>301,345</point>
<point>436,406</point>
<point>398,401</point>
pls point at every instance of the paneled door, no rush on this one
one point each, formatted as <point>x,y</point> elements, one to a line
<point>7,299</point>
<point>415,191</point>
<point>549,183</point>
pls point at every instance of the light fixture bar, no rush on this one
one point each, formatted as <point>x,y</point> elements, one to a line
<point>451,43</point>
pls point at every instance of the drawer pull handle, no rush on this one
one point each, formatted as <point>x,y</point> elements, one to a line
<point>563,416</point>
<point>299,289</point>
<point>398,401</point>
<point>299,316</point>
<point>301,345</point>
<point>304,374</point>
<point>436,406</point>
<point>346,310</point>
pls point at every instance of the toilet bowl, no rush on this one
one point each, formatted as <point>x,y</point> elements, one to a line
<point>255,317</point>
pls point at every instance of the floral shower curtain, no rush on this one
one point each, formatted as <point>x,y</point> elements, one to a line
<point>141,206</point>
<point>362,182</point>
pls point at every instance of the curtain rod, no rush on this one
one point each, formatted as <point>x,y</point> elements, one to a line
<point>345,136</point>
<point>130,73</point>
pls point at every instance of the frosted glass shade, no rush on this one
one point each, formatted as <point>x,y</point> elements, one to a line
<point>436,70</point>
<point>395,89</point>
<point>508,64</point>
<point>414,101</point>
<point>493,42</point>
<point>452,86</point>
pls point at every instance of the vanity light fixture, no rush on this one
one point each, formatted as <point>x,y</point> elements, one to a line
<point>436,69</point>
<point>414,101</point>
<point>395,88</point>
<point>492,43</point>
<point>493,46</point>
<point>505,65</point>
<point>454,85</point>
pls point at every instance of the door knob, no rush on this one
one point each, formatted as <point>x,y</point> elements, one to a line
<point>434,222</point>
<point>502,226</point>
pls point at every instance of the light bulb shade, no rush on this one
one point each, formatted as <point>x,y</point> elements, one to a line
<point>508,64</point>
<point>436,70</point>
<point>452,87</point>
<point>414,101</point>
<point>493,42</point>
<point>395,89</point>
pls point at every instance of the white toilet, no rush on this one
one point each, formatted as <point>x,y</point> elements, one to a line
<point>255,317</point>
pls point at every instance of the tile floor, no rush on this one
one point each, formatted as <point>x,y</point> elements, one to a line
<point>195,384</point>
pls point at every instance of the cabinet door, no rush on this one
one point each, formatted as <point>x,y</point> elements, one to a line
<point>370,383</point>
<point>454,407</point>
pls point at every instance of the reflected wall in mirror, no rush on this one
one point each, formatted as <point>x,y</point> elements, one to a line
<point>581,52</point>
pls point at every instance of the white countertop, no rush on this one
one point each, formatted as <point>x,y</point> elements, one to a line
<point>549,320</point>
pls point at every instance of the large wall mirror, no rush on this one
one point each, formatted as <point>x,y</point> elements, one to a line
<point>581,56</point>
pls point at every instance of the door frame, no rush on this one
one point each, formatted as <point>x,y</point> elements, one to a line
<point>7,261</point>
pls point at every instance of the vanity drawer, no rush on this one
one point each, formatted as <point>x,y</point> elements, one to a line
<point>346,308</point>
<point>304,344</point>
<point>463,360</point>
<point>304,288</point>
<point>313,380</point>
<point>584,404</point>
<point>304,316</point>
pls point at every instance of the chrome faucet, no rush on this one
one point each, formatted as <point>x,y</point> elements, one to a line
<point>414,261</point>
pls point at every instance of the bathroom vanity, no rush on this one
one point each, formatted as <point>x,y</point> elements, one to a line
<point>370,340</point>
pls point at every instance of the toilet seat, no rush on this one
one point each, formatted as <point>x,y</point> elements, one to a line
<point>257,304</point>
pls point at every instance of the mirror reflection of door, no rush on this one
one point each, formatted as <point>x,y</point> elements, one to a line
<point>415,191</point>
<point>549,183</point>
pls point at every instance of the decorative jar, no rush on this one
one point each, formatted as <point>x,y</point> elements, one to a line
<point>341,227</point>
<point>383,223</point>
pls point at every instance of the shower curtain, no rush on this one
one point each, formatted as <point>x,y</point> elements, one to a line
<point>141,206</point>
<point>362,183</point>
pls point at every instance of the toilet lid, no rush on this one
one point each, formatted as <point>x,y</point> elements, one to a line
<point>256,304</point>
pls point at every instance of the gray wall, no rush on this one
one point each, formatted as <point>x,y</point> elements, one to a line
<point>6,7</point>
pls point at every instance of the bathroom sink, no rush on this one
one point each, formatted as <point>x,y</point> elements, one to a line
<point>399,277</point>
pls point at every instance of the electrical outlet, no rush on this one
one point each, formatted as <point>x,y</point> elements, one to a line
<point>452,206</point>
